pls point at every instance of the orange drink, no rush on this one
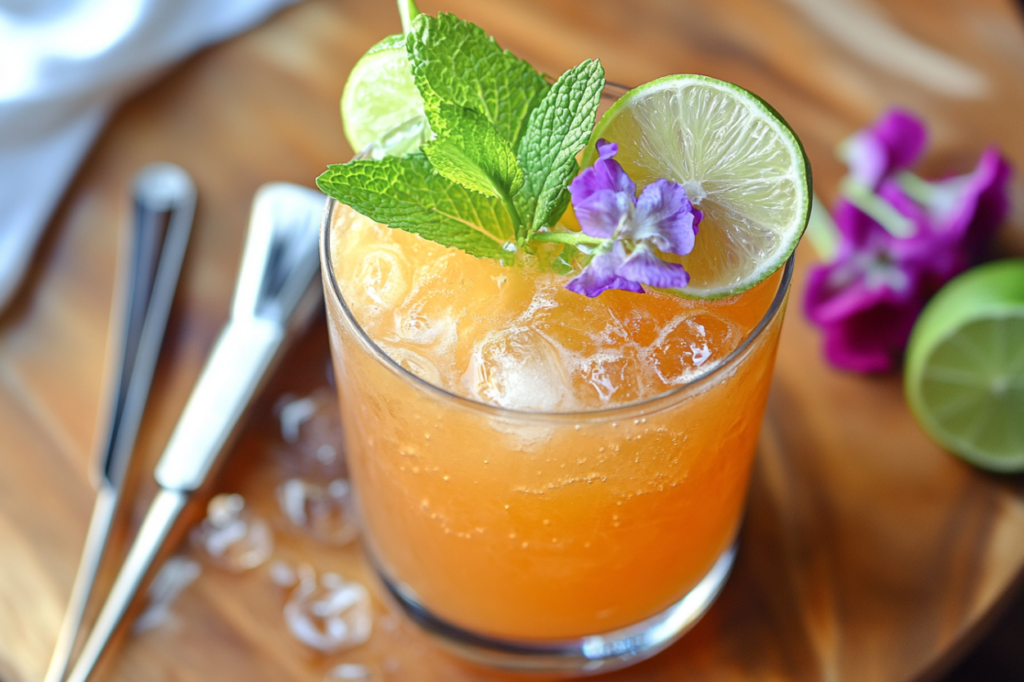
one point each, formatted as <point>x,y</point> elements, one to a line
<point>553,333</point>
<point>536,465</point>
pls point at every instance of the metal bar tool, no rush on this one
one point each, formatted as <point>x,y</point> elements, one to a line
<point>276,295</point>
<point>164,204</point>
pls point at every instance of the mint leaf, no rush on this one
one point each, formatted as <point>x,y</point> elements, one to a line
<point>556,131</point>
<point>406,193</point>
<point>456,62</point>
<point>468,150</point>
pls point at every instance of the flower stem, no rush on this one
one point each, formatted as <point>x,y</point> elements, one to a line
<point>517,222</point>
<point>879,209</point>
<point>408,11</point>
<point>568,238</point>
<point>916,188</point>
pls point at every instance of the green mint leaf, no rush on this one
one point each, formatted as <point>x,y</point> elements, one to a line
<point>406,193</point>
<point>469,151</point>
<point>456,62</point>
<point>556,131</point>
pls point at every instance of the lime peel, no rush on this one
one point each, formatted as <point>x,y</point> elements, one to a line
<point>964,374</point>
<point>380,94</point>
<point>741,163</point>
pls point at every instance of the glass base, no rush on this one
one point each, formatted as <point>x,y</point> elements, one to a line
<point>574,657</point>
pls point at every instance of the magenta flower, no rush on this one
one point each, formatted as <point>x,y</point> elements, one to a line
<point>894,143</point>
<point>867,299</point>
<point>631,230</point>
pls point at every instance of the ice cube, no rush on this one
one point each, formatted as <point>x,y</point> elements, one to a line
<point>690,345</point>
<point>230,536</point>
<point>606,376</point>
<point>282,574</point>
<point>414,362</point>
<point>329,614</point>
<point>518,368</point>
<point>311,428</point>
<point>324,512</point>
<point>380,283</point>
<point>350,672</point>
<point>427,318</point>
<point>174,576</point>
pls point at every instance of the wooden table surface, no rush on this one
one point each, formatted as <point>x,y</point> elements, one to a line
<point>868,553</point>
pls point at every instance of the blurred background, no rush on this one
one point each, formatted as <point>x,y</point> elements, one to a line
<point>869,553</point>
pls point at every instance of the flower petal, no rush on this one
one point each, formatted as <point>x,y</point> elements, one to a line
<point>605,174</point>
<point>872,340</point>
<point>644,266</point>
<point>836,291</point>
<point>606,150</point>
<point>600,274</point>
<point>601,213</point>
<point>970,207</point>
<point>894,142</point>
<point>665,216</point>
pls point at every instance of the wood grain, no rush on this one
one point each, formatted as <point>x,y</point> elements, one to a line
<point>868,554</point>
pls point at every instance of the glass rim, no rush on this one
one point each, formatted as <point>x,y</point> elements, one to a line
<point>692,386</point>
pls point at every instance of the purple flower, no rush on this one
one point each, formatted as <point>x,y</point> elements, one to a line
<point>867,299</point>
<point>631,230</point>
<point>969,208</point>
<point>895,142</point>
<point>599,275</point>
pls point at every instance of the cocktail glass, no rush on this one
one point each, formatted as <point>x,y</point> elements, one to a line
<point>549,542</point>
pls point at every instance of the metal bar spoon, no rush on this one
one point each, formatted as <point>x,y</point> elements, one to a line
<point>276,296</point>
<point>164,204</point>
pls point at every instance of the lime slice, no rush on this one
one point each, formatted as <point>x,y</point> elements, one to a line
<point>380,94</point>
<point>964,375</point>
<point>741,164</point>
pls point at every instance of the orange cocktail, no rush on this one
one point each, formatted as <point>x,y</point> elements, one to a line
<point>532,464</point>
<point>553,333</point>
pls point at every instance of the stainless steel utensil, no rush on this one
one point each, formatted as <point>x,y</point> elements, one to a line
<point>276,296</point>
<point>164,204</point>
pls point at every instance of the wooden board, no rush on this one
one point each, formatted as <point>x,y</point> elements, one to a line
<point>868,553</point>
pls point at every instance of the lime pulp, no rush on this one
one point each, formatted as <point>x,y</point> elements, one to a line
<point>380,94</point>
<point>740,162</point>
<point>964,374</point>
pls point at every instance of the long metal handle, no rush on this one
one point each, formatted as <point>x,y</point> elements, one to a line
<point>153,534</point>
<point>236,368</point>
<point>164,204</point>
<point>276,294</point>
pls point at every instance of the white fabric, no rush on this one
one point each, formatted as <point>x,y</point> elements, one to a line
<point>64,65</point>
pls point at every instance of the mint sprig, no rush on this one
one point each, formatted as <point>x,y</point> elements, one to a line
<point>499,167</point>
<point>470,151</point>
<point>454,61</point>
<point>556,131</point>
<point>406,193</point>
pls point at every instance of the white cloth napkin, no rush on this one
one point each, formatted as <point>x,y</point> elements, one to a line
<point>64,65</point>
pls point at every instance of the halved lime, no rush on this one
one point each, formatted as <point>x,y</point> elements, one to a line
<point>964,374</point>
<point>380,94</point>
<point>741,164</point>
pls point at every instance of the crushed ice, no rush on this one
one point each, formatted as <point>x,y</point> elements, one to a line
<point>174,576</point>
<point>329,614</point>
<point>350,672</point>
<point>324,512</point>
<point>311,430</point>
<point>230,536</point>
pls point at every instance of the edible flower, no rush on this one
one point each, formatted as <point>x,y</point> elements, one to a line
<point>631,232</point>
<point>893,143</point>
<point>868,297</point>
